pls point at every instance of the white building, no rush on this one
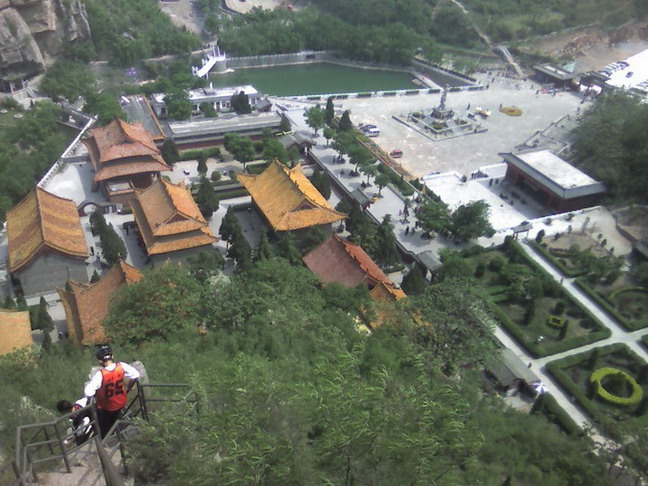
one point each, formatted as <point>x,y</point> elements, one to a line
<point>219,98</point>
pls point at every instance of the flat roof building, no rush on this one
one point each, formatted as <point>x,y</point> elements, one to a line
<point>219,98</point>
<point>553,181</point>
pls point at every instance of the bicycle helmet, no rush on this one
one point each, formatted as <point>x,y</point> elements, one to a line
<point>104,353</point>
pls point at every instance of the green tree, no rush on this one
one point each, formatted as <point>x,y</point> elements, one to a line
<point>330,112</point>
<point>230,225</point>
<point>386,252</point>
<point>44,320</point>
<point>322,183</point>
<point>470,221</point>
<point>312,239</point>
<point>240,103</point>
<point>178,104</point>
<point>206,264</point>
<point>202,164</point>
<point>95,277</point>
<point>315,117</point>
<point>170,152</point>
<point>414,283</point>
<point>328,133</point>
<point>433,216</point>
<point>164,301</point>
<point>105,105</point>
<point>68,79</point>
<point>287,249</point>
<point>9,303</point>
<point>345,122</point>
<point>47,342</point>
<point>206,198</point>
<point>284,125</point>
<point>208,110</point>
<point>381,181</point>
<point>263,250</point>
<point>274,150</point>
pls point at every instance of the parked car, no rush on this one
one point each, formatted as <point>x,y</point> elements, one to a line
<point>372,132</point>
<point>396,153</point>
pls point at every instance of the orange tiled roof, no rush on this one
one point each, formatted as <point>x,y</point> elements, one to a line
<point>339,260</point>
<point>131,166</point>
<point>169,219</point>
<point>42,220</point>
<point>119,139</point>
<point>288,199</point>
<point>86,306</point>
<point>15,330</point>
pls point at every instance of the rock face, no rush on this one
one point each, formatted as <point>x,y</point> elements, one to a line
<point>32,31</point>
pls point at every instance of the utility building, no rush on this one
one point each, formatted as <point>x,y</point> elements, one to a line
<point>552,181</point>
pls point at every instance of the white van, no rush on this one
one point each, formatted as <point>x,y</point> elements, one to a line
<point>372,132</point>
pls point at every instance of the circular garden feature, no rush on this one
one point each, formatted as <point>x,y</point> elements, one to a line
<point>617,387</point>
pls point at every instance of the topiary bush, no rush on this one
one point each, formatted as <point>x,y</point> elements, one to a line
<point>616,379</point>
<point>555,321</point>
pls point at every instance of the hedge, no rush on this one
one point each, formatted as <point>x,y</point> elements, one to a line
<point>390,93</point>
<point>556,369</point>
<point>194,154</point>
<point>556,262</point>
<point>633,399</point>
<point>603,302</point>
<point>230,194</point>
<point>555,413</point>
<point>365,95</point>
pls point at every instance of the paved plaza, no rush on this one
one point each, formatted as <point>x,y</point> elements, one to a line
<point>465,154</point>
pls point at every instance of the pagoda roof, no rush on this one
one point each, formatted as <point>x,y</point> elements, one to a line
<point>15,330</point>
<point>169,219</point>
<point>86,305</point>
<point>339,260</point>
<point>287,198</point>
<point>43,220</point>
<point>119,140</point>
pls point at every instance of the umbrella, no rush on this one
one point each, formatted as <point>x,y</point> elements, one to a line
<point>540,388</point>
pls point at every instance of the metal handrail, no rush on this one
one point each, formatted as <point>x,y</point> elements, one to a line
<point>30,445</point>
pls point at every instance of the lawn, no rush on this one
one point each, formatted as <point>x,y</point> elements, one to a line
<point>574,373</point>
<point>531,305</point>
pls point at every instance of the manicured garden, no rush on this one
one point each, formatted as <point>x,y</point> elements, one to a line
<point>623,299</point>
<point>610,383</point>
<point>531,305</point>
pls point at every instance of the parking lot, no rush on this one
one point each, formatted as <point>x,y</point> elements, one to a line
<point>422,156</point>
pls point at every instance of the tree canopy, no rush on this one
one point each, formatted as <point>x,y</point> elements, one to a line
<point>610,145</point>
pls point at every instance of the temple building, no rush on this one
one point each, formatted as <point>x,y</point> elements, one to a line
<point>47,245</point>
<point>15,331</point>
<point>169,222</point>
<point>339,260</point>
<point>288,201</point>
<point>552,181</point>
<point>124,158</point>
<point>86,305</point>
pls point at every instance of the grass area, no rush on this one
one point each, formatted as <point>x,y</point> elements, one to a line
<point>8,120</point>
<point>622,299</point>
<point>531,306</point>
<point>573,373</point>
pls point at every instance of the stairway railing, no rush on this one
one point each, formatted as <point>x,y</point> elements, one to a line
<point>45,442</point>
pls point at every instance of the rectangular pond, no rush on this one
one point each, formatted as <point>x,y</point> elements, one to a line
<point>315,78</point>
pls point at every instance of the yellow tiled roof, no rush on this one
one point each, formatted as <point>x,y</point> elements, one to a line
<point>41,220</point>
<point>169,219</point>
<point>288,199</point>
<point>86,306</point>
<point>15,330</point>
<point>119,139</point>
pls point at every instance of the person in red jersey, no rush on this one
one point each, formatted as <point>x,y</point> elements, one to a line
<point>107,386</point>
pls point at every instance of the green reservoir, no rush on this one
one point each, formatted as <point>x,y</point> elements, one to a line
<point>316,78</point>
